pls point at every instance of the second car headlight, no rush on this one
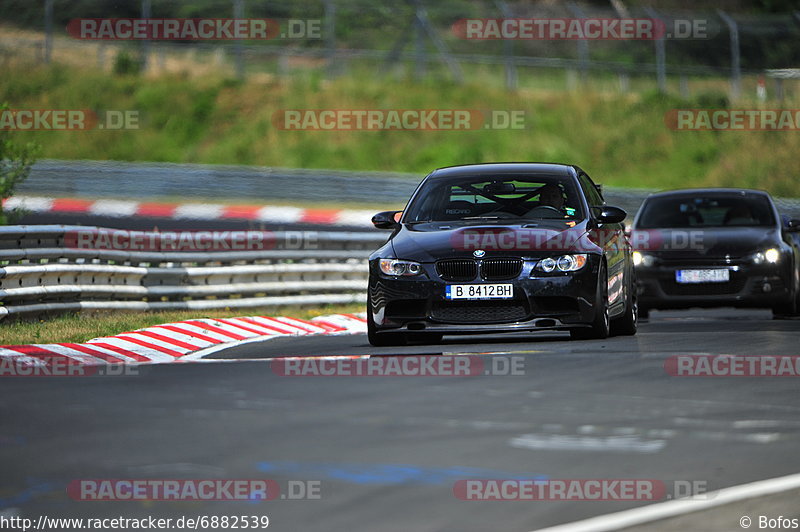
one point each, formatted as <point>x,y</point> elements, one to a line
<point>642,259</point>
<point>400,267</point>
<point>564,263</point>
<point>769,256</point>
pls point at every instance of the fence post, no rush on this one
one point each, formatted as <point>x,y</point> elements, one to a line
<point>419,43</point>
<point>508,49</point>
<point>48,29</point>
<point>583,44</point>
<point>145,50</point>
<point>779,90</point>
<point>661,55</point>
<point>684,86</point>
<point>624,82</point>
<point>736,66</point>
<point>330,36</point>
<point>238,13</point>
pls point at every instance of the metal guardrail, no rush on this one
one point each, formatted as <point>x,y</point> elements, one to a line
<point>42,272</point>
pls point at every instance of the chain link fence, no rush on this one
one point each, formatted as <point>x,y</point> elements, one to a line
<point>698,50</point>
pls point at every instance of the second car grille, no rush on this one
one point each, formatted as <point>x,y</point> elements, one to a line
<point>457,269</point>
<point>734,286</point>
<point>499,269</point>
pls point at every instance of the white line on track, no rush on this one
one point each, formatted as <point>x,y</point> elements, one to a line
<point>678,507</point>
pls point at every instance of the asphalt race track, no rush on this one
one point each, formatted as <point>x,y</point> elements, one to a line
<point>386,451</point>
<point>144,223</point>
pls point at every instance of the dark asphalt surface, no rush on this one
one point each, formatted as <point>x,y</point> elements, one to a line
<point>387,450</point>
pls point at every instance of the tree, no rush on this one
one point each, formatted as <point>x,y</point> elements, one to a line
<point>15,164</point>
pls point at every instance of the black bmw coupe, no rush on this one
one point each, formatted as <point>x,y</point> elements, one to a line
<point>489,248</point>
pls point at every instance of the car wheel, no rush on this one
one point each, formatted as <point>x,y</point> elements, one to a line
<point>786,309</point>
<point>626,324</point>
<point>601,324</point>
<point>387,339</point>
<point>644,313</point>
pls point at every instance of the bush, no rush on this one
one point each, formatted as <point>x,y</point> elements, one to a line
<point>125,64</point>
<point>15,165</point>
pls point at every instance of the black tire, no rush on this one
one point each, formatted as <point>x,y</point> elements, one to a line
<point>626,324</point>
<point>601,324</point>
<point>785,310</point>
<point>387,339</point>
<point>644,313</point>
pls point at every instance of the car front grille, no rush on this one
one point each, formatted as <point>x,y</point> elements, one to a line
<point>457,269</point>
<point>479,312</point>
<point>491,269</point>
<point>673,288</point>
<point>500,269</point>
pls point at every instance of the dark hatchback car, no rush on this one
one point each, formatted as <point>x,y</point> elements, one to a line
<point>499,247</point>
<point>715,247</point>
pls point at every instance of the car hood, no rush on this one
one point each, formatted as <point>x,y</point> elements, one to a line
<point>722,242</point>
<point>429,242</point>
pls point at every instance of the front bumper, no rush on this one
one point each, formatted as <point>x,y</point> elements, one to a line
<point>540,302</point>
<point>749,286</point>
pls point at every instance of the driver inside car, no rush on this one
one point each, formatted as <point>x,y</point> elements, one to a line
<point>550,200</point>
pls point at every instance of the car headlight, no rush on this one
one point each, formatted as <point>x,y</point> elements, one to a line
<point>769,256</point>
<point>642,259</point>
<point>564,263</point>
<point>400,267</point>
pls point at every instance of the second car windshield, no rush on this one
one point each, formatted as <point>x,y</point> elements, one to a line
<point>705,211</point>
<point>486,198</point>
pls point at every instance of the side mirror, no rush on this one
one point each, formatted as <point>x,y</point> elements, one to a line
<point>610,215</point>
<point>793,225</point>
<point>386,219</point>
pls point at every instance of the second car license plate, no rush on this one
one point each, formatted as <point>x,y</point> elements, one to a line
<point>702,276</point>
<point>479,291</point>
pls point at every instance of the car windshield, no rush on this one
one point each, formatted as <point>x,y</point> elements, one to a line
<point>706,211</point>
<point>496,197</point>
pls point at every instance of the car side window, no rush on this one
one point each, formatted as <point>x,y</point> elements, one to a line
<point>592,194</point>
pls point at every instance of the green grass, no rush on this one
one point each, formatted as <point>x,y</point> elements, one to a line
<point>76,328</point>
<point>621,140</point>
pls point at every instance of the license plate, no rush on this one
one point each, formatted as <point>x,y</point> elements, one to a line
<point>702,276</point>
<point>479,291</point>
